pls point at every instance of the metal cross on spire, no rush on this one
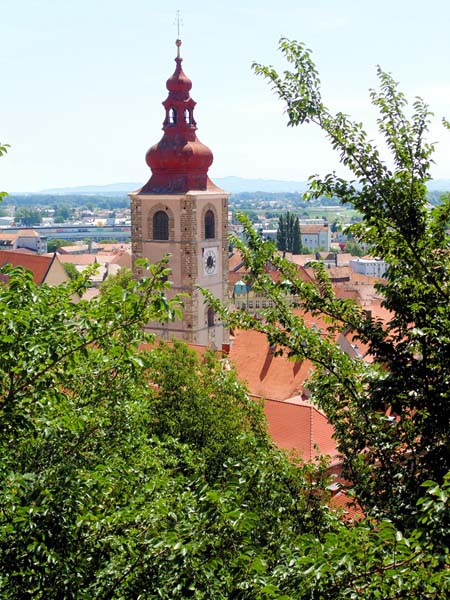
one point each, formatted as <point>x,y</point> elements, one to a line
<point>178,22</point>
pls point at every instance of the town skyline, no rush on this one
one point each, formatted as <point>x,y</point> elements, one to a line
<point>84,84</point>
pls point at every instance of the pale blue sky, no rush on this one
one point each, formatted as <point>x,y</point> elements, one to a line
<point>82,81</point>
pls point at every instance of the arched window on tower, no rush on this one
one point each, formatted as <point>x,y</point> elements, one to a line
<point>172,116</point>
<point>211,317</point>
<point>160,225</point>
<point>187,116</point>
<point>210,225</point>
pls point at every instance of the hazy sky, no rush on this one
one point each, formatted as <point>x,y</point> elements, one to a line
<point>82,81</point>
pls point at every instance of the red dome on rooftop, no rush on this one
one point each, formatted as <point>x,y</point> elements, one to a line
<point>179,82</point>
<point>174,155</point>
<point>179,161</point>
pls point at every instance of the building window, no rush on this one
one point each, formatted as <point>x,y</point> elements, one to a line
<point>209,225</point>
<point>172,116</point>
<point>160,226</point>
<point>210,317</point>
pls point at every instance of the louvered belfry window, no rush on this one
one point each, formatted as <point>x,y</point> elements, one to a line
<point>209,225</point>
<point>160,226</point>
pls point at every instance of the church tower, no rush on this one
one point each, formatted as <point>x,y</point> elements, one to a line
<point>181,212</point>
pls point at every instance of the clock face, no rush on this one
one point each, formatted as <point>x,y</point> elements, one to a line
<point>210,261</point>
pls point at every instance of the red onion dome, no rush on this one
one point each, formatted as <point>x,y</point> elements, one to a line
<point>179,82</point>
<point>179,161</point>
<point>178,154</point>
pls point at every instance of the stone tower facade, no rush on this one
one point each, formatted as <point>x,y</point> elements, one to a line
<point>181,212</point>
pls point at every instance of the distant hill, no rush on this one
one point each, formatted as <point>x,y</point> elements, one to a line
<point>110,188</point>
<point>230,184</point>
<point>239,184</point>
<point>439,185</point>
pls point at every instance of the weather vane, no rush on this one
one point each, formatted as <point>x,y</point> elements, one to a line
<point>178,22</point>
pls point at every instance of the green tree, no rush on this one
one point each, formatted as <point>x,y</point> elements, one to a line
<point>252,215</point>
<point>288,233</point>
<point>53,245</point>
<point>28,216</point>
<point>281,233</point>
<point>296,238</point>
<point>355,249</point>
<point>336,225</point>
<point>62,213</point>
<point>215,409</point>
<point>123,278</point>
<point>367,560</point>
<point>71,270</point>
<point>3,150</point>
<point>385,458</point>
<point>127,471</point>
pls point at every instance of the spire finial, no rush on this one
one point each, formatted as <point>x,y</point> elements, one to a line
<point>178,44</point>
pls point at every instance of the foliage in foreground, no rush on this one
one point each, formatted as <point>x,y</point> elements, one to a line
<point>390,417</point>
<point>119,480</point>
<point>123,278</point>
<point>3,150</point>
<point>131,473</point>
<point>386,459</point>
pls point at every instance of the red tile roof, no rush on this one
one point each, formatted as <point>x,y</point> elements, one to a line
<point>300,426</point>
<point>80,259</point>
<point>28,233</point>
<point>39,265</point>
<point>299,259</point>
<point>235,261</point>
<point>11,237</point>
<point>313,228</point>
<point>75,248</point>
<point>347,294</point>
<point>26,251</point>
<point>233,278</point>
<point>270,376</point>
<point>352,511</point>
<point>121,258</point>
<point>116,247</point>
<point>238,274</point>
<point>266,375</point>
